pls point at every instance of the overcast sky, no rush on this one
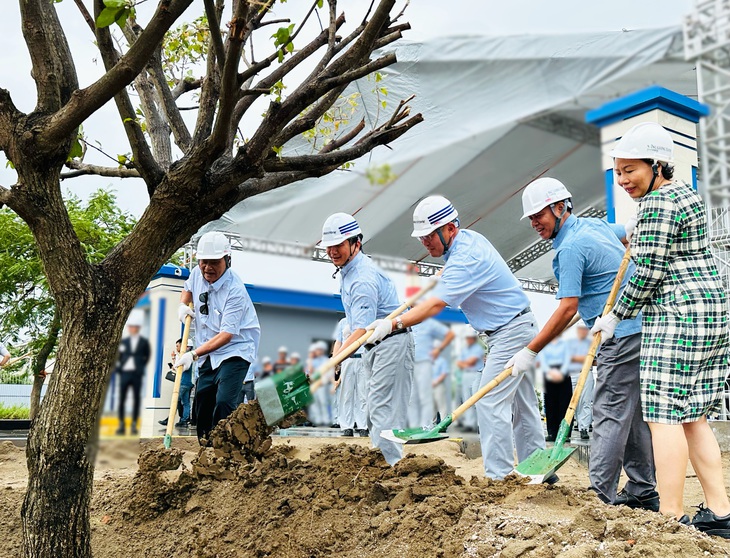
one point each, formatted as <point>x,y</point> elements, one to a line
<point>428,19</point>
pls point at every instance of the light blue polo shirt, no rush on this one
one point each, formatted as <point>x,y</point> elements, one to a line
<point>424,334</point>
<point>553,355</point>
<point>229,309</point>
<point>339,334</point>
<point>440,366</point>
<point>367,294</point>
<point>475,350</point>
<point>575,347</point>
<point>588,253</point>
<point>478,279</point>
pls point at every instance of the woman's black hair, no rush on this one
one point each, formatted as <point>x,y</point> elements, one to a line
<point>667,169</point>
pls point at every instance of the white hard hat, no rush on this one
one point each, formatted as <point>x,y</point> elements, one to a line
<point>282,349</point>
<point>321,345</point>
<point>430,214</point>
<point>337,228</point>
<point>296,356</point>
<point>647,140</point>
<point>542,192</point>
<point>213,246</point>
<point>266,360</point>
<point>136,318</point>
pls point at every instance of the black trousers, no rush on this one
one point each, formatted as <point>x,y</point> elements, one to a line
<point>557,401</point>
<point>129,380</point>
<point>218,392</point>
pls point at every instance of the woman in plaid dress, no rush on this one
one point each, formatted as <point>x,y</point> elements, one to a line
<point>684,350</point>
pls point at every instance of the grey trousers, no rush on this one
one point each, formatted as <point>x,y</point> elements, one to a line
<point>621,438</point>
<point>389,370</point>
<point>509,418</point>
<point>420,407</point>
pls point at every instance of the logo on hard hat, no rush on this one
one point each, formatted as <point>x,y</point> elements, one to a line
<point>349,227</point>
<point>436,217</point>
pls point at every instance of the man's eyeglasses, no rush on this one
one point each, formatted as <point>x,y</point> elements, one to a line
<point>204,299</point>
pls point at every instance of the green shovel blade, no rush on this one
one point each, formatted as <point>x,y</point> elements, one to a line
<point>282,394</point>
<point>542,463</point>
<point>420,435</point>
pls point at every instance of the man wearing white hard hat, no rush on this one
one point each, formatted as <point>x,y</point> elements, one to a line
<point>367,295</point>
<point>226,330</point>
<point>588,253</point>
<point>134,353</point>
<point>478,279</point>
<point>684,351</point>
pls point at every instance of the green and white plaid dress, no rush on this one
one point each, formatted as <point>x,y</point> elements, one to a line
<point>684,347</point>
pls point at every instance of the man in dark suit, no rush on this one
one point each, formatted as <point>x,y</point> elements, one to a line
<point>134,352</point>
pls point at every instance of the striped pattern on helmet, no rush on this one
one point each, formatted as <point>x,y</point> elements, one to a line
<point>439,215</point>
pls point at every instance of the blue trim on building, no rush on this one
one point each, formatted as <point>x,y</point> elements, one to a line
<point>160,348</point>
<point>694,178</point>
<point>169,270</point>
<point>610,202</point>
<point>651,98</point>
<point>319,302</point>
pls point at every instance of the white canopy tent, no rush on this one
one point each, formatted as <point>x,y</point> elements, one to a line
<point>499,112</point>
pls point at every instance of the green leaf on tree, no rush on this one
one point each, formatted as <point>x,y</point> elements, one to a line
<point>76,150</point>
<point>108,16</point>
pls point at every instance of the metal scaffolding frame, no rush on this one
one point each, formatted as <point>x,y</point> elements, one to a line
<point>707,42</point>
<point>319,254</point>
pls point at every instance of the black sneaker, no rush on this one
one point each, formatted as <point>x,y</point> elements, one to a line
<point>348,432</point>
<point>649,501</point>
<point>584,434</point>
<point>706,521</point>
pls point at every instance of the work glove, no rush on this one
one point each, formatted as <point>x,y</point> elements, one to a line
<point>606,325</point>
<point>523,361</point>
<point>186,361</point>
<point>184,310</point>
<point>346,332</point>
<point>630,226</point>
<point>381,329</point>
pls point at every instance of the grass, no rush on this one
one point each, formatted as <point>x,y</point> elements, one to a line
<point>14,412</point>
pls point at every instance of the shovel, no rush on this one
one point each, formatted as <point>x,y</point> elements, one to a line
<point>176,387</point>
<point>544,462</point>
<point>281,395</point>
<point>426,434</point>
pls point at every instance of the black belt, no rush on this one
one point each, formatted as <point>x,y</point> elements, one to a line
<point>522,313</point>
<point>391,334</point>
<point>356,355</point>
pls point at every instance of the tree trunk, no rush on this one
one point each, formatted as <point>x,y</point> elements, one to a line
<point>60,452</point>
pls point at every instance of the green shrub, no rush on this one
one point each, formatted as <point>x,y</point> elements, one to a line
<point>14,412</point>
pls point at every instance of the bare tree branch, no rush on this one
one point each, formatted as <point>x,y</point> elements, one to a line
<point>86,101</point>
<point>214,26</point>
<point>344,139</point>
<point>6,195</point>
<point>309,119</point>
<point>86,15</point>
<point>81,169</point>
<point>157,128</point>
<point>184,86</point>
<point>150,171</point>
<point>208,95</point>
<point>9,115</point>
<point>366,144</point>
<point>357,73</point>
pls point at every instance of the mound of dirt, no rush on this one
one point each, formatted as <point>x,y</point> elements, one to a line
<point>304,498</point>
<point>244,497</point>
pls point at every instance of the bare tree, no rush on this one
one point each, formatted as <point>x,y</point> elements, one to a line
<point>214,171</point>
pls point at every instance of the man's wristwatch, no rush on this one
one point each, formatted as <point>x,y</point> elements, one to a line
<point>398,323</point>
<point>195,355</point>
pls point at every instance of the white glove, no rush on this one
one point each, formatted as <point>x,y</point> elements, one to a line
<point>186,361</point>
<point>629,227</point>
<point>382,328</point>
<point>346,331</point>
<point>184,310</point>
<point>606,325</point>
<point>523,361</point>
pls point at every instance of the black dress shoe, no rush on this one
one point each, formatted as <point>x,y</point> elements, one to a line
<point>348,432</point>
<point>706,521</point>
<point>649,501</point>
<point>552,479</point>
<point>550,438</point>
<point>363,432</point>
<point>685,520</point>
<point>120,431</point>
<point>133,430</point>
<point>584,434</point>
<point>182,424</point>
<point>162,422</point>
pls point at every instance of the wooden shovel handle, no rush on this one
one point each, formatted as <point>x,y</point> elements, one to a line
<point>178,374</point>
<point>588,362</point>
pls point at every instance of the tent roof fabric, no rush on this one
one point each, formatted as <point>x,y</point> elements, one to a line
<point>498,113</point>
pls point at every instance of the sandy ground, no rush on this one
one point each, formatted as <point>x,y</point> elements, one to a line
<point>337,497</point>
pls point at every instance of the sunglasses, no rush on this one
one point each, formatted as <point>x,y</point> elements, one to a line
<point>204,299</point>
